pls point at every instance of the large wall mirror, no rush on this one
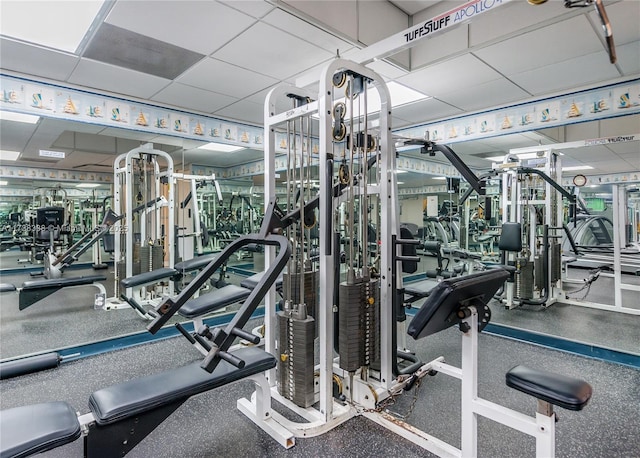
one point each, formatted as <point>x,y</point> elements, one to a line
<point>233,204</point>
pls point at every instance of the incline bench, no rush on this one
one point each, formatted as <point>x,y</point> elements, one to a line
<point>123,415</point>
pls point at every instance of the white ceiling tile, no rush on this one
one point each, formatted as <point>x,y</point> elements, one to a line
<point>15,135</point>
<point>624,18</point>
<point>485,95</point>
<point>340,15</point>
<point>128,134</point>
<point>620,126</point>
<point>202,26</point>
<point>587,155</point>
<point>446,77</point>
<point>629,57</point>
<point>439,46</point>
<point>581,131</point>
<point>90,73</point>
<point>218,159</point>
<point>308,32</point>
<point>414,6</point>
<point>37,61</point>
<point>260,96</point>
<point>386,69</point>
<point>244,111</point>
<point>254,8</point>
<point>215,75</point>
<point>425,110</point>
<point>548,45</point>
<point>193,98</point>
<point>272,52</point>
<point>626,149</point>
<point>520,14</point>
<point>567,74</point>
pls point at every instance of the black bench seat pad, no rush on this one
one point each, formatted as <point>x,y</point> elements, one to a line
<point>32,429</point>
<point>138,396</point>
<point>61,282</point>
<point>566,392</point>
<point>252,281</point>
<point>214,300</point>
<point>148,277</point>
<point>421,288</point>
<point>6,287</point>
<point>196,263</point>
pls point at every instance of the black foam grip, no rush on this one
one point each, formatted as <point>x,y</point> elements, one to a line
<point>29,365</point>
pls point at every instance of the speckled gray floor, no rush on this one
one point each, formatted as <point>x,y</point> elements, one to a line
<point>210,425</point>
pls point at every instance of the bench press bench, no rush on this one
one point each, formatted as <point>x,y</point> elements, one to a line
<point>35,290</point>
<point>122,415</point>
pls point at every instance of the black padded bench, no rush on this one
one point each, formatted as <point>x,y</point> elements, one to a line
<point>213,300</point>
<point>252,281</point>
<point>559,390</point>
<point>36,290</point>
<point>147,278</point>
<point>196,263</point>
<point>124,414</point>
<point>7,287</point>
<point>419,289</point>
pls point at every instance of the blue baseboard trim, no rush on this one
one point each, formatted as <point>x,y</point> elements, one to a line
<point>569,346</point>
<point>560,344</point>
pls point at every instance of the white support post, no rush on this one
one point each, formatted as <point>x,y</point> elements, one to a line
<point>469,387</point>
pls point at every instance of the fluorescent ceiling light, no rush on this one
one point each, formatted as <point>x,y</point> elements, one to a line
<point>87,185</point>
<point>401,171</point>
<point>9,155</point>
<point>18,117</point>
<point>400,182</point>
<point>576,167</point>
<point>63,28</point>
<point>520,156</point>
<point>3,183</point>
<point>221,147</point>
<point>438,178</point>
<point>399,94</point>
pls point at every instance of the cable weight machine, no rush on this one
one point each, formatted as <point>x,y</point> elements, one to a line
<point>143,238</point>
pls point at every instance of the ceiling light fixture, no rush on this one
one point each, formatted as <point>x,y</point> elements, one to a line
<point>439,178</point>
<point>18,117</point>
<point>220,147</point>
<point>574,168</point>
<point>3,183</point>
<point>520,156</point>
<point>9,155</point>
<point>87,185</point>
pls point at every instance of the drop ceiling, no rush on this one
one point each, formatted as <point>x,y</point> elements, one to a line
<point>234,51</point>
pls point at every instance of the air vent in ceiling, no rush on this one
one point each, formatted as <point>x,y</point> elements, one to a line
<point>124,48</point>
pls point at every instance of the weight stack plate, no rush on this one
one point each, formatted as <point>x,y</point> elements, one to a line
<point>296,362</point>
<point>538,268</point>
<point>122,273</point>
<point>291,287</point>
<point>350,325</point>
<point>526,281</point>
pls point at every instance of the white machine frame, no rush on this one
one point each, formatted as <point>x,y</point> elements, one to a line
<point>619,212</point>
<point>366,391</point>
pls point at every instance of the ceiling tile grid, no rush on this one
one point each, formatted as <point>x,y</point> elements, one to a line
<point>193,98</point>
<point>33,60</point>
<point>196,25</point>
<point>243,111</point>
<point>544,46</point>
<point>566,75</point>
<point>270,51</point>
<point>445,77</point>
<point>218,76</point>
<point>106,77</point>
<point>491,93</point>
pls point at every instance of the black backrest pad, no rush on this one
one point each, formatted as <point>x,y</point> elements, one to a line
<point>445,299</point>
<point>137,396</point>
<point>511,237</point>
<point>32,429</point>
